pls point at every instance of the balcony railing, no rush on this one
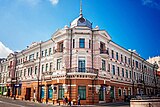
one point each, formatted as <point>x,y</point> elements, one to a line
<point>102,51</point>
<point>83,70</point>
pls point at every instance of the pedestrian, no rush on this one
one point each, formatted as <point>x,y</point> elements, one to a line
<point>79,100</point>
<point>64,101</point>
<point>69,101</point>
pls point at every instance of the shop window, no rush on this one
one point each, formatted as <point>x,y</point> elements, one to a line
<point>112,92</point>
<point>60,92</point>
<point>19,90</point>
<point>119,92</point>
<point>42,92</point>
<point>50,92</point>
<point>82,92</point>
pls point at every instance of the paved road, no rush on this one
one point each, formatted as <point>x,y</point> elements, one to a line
<point>8,102</point>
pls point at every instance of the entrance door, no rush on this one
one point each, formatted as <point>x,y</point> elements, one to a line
<point>101,93</point>
<point>28,94</point>
<point>8,92</point>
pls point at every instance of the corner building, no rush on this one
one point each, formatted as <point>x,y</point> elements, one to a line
<point>78,60</point>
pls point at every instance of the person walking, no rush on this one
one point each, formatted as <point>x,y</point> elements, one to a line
<point>64,100</point>
<point>79,100</point>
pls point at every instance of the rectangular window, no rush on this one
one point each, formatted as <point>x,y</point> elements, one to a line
<point>116,55</point>
<point>133,62</point>
<point>82,43</point>
<point>31,71</point>
<point>112,54</point>
<point>134,75</point>
<point>121,58</point>
<point>60,47</point>
<point>50,50</point>
<point>46,52</point>
<point>81,65</point>
<point>136,64</point>
<point>122,72</point>
<point>42,54</point>
<point>113,69</point>
<point>24,72</point>
<point>109,68</point>
<point>125,58</point>
<point>31,57</point>
<point>103,65</point>
<point>73,43</point>
<point>42,68</point>
<point>35,70</point>
<point>118,71</point>
<point>50,92</point>
<point>129,61</point>
<point>47,67</point>
<point>37,55</point>
<point>82,92</point>
<point>130,74</point>
<point>59,64</point>
<point>28,71</point>
<point>60,92</point>
<point>50,67</point>
<point>108,51</point>
<point>126,73</point>
<point>89,43</point>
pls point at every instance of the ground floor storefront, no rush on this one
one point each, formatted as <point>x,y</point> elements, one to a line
<point>90,91</point>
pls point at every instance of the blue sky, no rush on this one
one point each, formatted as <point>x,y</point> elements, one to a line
<point>133,24</point>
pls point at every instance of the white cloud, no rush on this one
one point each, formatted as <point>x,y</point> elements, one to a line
<point>54,2</point>
<point>4,51</point>
<point>152,3</point>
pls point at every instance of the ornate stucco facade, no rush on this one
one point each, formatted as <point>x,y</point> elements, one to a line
<point>77,60</point>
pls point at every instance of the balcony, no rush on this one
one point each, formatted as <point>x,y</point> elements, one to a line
<point>86,70</point>
<point>104,53</point>
<point>29,62</point>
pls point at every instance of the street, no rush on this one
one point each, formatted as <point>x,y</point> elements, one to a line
<point>8,102</point>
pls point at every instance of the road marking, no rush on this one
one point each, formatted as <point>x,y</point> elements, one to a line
<point>11,104</point>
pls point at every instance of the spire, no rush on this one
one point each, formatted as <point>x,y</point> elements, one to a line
<point>81,8</point>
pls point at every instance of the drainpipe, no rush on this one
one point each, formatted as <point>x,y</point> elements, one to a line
<point>143,78</point>
<point>132,73</point>
<point>38,95</point>
<point>93,81</point>
<point>15,76</point>
<point>70,65</point>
